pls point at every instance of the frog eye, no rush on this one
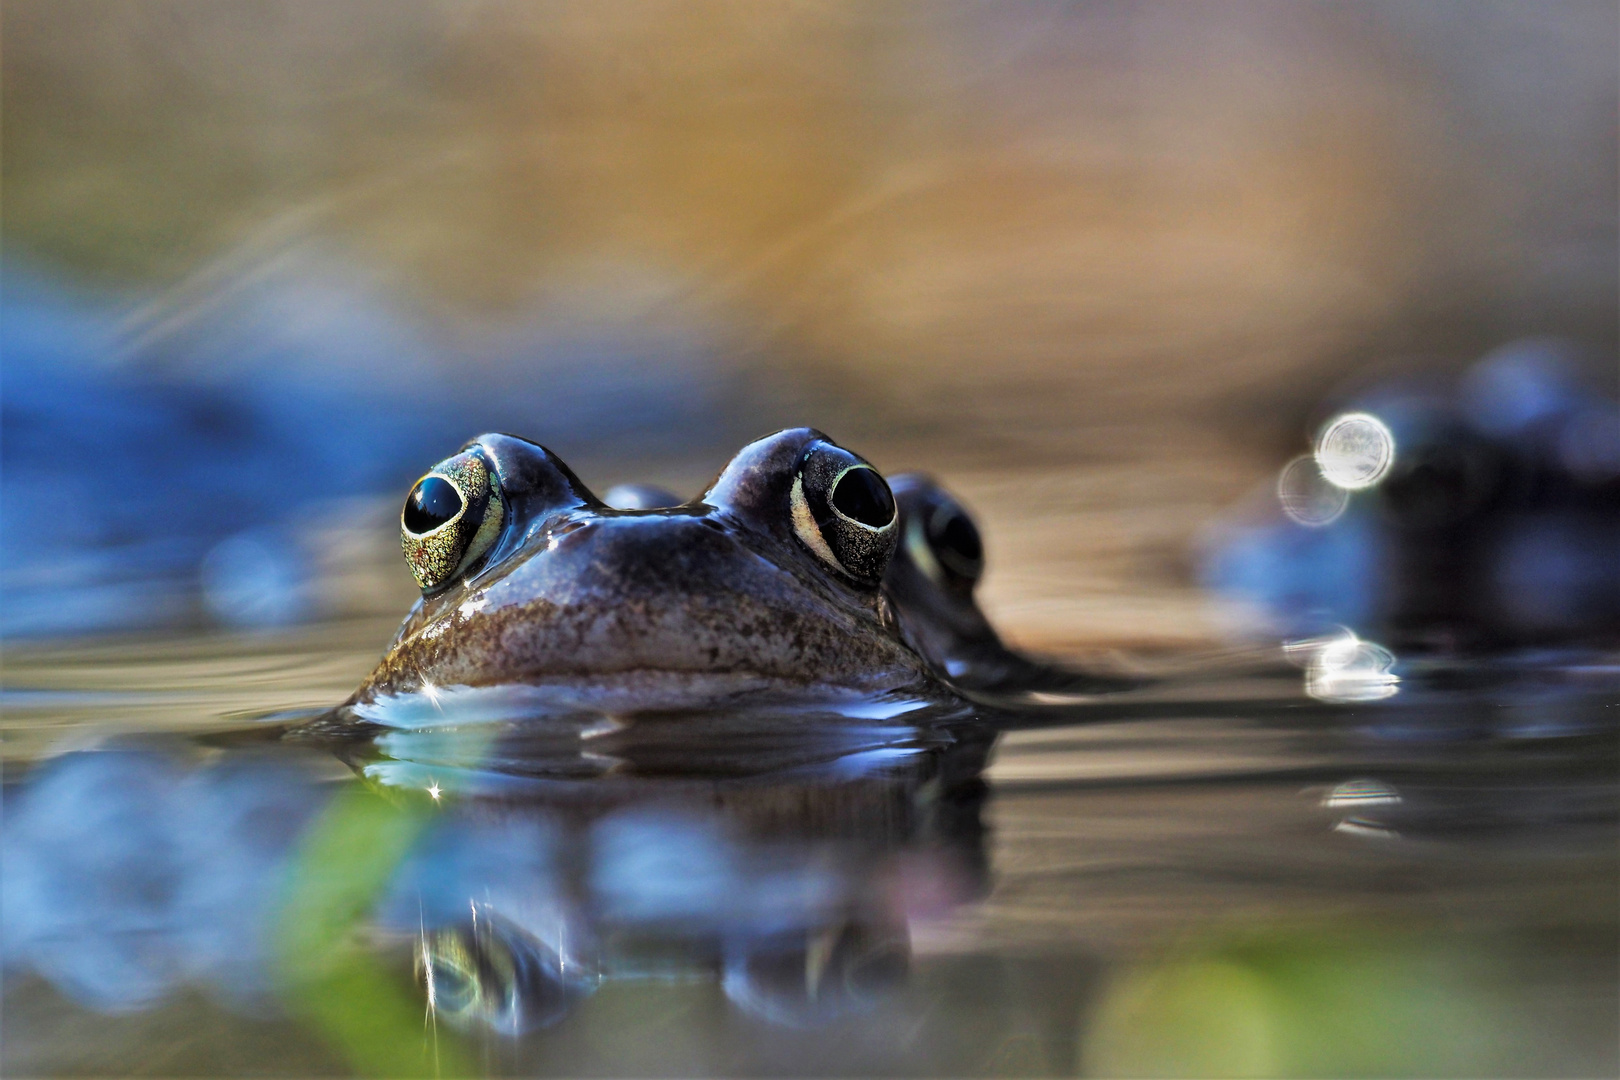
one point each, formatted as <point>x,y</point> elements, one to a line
<point>450,519</point>
<point>844,512</point>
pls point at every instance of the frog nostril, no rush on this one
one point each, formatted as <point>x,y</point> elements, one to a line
<point>568,534</point>
<point>431,503</point>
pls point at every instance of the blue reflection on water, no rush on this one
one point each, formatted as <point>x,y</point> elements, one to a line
<point>127,874</point>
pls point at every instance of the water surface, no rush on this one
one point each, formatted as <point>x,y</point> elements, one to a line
<point>1219,875</point>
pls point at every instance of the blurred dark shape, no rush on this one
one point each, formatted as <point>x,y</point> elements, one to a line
<point>155,460</point>
<point>1497,525</point>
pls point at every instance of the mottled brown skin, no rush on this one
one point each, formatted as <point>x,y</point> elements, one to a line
<point>651,608</point>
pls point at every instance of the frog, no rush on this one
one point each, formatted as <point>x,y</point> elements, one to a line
<point>798,570</point>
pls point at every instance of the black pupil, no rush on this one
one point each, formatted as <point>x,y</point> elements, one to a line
<point>861,495</point>
<point>958,536</point>
<point>430,504</point>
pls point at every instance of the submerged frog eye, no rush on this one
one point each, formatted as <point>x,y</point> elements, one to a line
<point>452,516</point>
<point>844,512</point>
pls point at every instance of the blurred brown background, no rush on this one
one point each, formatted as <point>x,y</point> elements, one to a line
<point>1096,264</point>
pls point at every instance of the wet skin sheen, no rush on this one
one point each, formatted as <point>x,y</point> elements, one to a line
<point>794,570</point>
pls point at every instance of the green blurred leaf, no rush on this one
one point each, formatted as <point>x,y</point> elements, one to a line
<point>326,975</point>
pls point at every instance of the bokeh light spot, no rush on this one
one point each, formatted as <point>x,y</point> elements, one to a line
<point>1306,495</point>
<point>1355,451</point>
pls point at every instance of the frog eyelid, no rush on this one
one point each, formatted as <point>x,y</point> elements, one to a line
<point>804,525</point>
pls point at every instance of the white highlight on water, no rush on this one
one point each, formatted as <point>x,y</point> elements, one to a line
<point>1344,669</point>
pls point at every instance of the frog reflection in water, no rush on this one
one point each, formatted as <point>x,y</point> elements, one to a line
<point>799,569</point>
<point>797,896</point>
